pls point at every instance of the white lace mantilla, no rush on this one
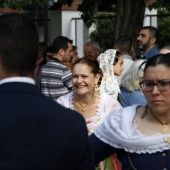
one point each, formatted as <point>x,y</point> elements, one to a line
<point>109,83</point>
<point>119,130</point>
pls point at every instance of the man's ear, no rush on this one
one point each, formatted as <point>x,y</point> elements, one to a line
<point>153,40</point>
<point>61,52</point>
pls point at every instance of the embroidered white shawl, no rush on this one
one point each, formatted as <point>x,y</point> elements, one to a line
<point>119,130</point>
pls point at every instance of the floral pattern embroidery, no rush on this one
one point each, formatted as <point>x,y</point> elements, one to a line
<point>109,83</point>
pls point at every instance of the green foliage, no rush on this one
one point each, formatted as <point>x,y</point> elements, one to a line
<point>160,4</point>
<point>19,4</point>
<point>105,27</point>
<point>68,2</point>
<point>163,26</point>
<point>88,11</point>
<point>104,33</point>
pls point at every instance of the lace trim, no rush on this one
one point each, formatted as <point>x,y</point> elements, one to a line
<point>109,83</point>
<point>95,120</point>
<point>130,139</point>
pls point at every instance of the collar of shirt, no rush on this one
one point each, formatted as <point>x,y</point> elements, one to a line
<point>153,51</point>
<point>17,79</point>
<point>55,59</point>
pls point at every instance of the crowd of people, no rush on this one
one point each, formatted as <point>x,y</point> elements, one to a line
<point>101,111</point>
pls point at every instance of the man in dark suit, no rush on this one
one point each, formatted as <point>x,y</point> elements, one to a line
<point>36,133</point>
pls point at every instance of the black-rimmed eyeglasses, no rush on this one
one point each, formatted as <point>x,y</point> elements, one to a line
<point>162,85</point>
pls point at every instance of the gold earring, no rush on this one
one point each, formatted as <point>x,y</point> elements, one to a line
<point>96,89</point>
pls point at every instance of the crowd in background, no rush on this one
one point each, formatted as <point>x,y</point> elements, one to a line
<point>59,101</point>
<point>98,83</point>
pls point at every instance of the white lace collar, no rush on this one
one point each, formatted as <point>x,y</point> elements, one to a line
<point>95,120</point>
<point>98,108</point>
<point>119,130</point>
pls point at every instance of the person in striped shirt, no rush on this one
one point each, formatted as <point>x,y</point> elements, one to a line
<point>55,76</point>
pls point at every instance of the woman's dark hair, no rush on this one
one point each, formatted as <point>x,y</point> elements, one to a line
<point>142,65</point>
<point>74,49</point>
<point>117,55</point>
<point>48,53</point>
<point>93,64</point>
<point>158,59</point>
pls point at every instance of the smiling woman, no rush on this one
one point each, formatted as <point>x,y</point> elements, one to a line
<point>87,99</point>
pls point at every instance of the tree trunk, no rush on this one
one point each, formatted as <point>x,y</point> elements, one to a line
<point>129,19</point>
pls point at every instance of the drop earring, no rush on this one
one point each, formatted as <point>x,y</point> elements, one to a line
<point>96,89</point>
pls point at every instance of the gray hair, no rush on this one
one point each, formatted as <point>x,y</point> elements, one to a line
<point>131,78</point>
<point>165,49</point>
<point>95,45</point>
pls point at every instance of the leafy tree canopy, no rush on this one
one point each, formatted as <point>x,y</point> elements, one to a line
<point>88,8</point>
<point>18,4</point>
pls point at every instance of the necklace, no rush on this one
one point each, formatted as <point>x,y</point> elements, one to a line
<point>84,106</point>
<point>130,161</point>
<point>165,125</point>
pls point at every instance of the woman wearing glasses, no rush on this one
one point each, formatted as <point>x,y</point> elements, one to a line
<point>140,135</point>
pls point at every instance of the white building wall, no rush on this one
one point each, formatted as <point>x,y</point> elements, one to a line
<point>150,19</point>
<point>73,28</point>
<point>70,24</point>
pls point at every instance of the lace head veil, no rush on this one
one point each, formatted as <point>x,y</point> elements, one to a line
<point>109,83</point>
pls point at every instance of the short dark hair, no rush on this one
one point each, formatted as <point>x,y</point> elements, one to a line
<point>18,44</point>
<point>74,47</point>
<point>42,49</point>
<point>158,59</point>
<point>153,31</point>
<point>124,44</point>
<point>60,42</point>
<point>117,55</point>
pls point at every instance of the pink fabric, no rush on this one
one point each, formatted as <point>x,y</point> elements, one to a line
<point>116,163</point>
<point>37,68</point>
